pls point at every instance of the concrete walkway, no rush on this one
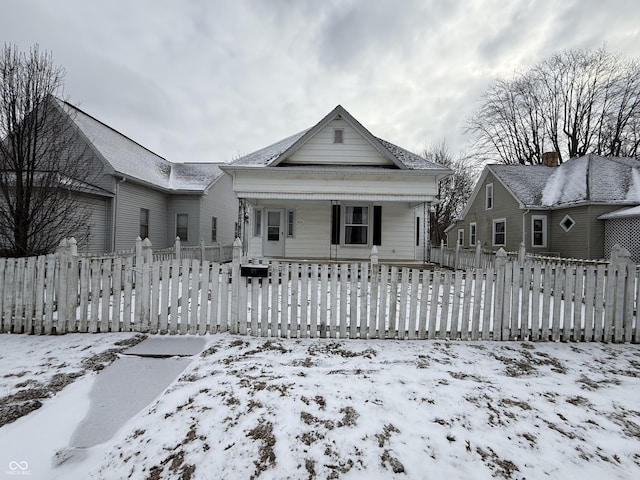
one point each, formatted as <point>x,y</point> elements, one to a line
<point>129,384</point>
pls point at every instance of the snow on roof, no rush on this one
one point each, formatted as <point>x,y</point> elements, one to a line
<point>268,155</point>
<point>525,182</point>
<point>132,160</point>
<point>590,178</point>
<point>622,213</point>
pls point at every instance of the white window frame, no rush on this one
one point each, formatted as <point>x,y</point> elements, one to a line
<point>257,222</point>
<point>493,232</point>
<point>291,223</point>
<point>544,231</point>
<point>564,219</point>
<point>367,225</point>
<point>186,236</point>
<point>473,234</point>
<point>461,237</point>
<point>488,197</point>
<point>147,214</point>
<point>214,229</point>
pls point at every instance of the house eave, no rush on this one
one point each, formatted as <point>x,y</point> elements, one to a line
<point>338,196</point>
<point>324,170</point>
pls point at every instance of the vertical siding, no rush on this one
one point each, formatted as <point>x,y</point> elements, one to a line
<point>220,202</point>
<point>189,204</point>
<point>131,198</point>
<point>354,150</point>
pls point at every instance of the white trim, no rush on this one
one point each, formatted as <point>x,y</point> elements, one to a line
<point>488,194</point>
<point>345,197</point>
<point>564,219</point>
<point>473,234</point>
<point>493,232</point>
<point>290,232</point>
<point>257,222</point>
<point>544,231</point>
<point>461,237</point>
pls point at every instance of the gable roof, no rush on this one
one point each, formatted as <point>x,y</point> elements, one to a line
<point>124,156</point>
<point>587,179</point>
<point>275,154</point>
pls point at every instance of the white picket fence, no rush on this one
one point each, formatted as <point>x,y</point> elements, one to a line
<point>63,293</point>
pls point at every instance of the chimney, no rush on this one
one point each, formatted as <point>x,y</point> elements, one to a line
<point>550,159</point>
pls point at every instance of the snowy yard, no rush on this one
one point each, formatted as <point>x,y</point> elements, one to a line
<point>325,408</point>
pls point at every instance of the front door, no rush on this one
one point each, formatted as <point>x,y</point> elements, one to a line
<point>274,238</point>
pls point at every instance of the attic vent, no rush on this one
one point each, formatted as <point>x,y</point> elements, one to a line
<point>338,135</point>
<point>567,223</point>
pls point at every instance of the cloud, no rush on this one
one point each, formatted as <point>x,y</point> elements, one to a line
<point>207,81</point>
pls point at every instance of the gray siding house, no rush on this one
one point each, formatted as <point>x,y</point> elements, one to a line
<point>554,210</point>
<point>138,193</point>
<point>333,192</point>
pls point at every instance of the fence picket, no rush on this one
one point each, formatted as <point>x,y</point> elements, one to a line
<point>413,304</point>
<point>304,301</point>
<point>203,320</point>
<point>489,301</point>
<point>571,302</point>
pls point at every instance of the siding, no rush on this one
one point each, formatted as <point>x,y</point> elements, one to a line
<point>312,238</point>
<point>354,150</point>
<point>504,206</point>
<point>131,198</point>
<point>586,238</point>
<point>220,202</point>
<point>189,204</point>
<point>93,237</point>
<point>279,180</point>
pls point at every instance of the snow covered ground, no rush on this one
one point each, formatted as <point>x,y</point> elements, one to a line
<point>323,408</point>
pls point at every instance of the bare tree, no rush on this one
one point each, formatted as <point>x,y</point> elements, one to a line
<point>43,171</point>
<point>575,102</point>
<point>455,190</point>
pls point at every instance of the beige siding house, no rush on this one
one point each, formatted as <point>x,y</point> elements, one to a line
<point>552,210</point>
<point>138,193</point>
<point>333,192</point>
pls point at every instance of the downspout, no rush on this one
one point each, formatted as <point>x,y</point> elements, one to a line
<point>524,229</point>
<point>114,214</point>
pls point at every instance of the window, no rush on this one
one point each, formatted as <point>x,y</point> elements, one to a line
<point>377,225</point>
<point>489,195</point>
<point>214,229</point>
<point>338,135</point>
<point>291,221</point>
<point>538,231</point>
<point>335,224</point>
<point>499,232</point>
<point>567,223</point>
<point>472,234</point>
<point>461,237</point>
<point>182,226</point>
<point>417,231</point>
<point>144,223</point>
<point>257,223</point>
<point>356,225</point>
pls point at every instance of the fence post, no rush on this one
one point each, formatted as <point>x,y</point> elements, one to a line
<point>456,259</point>
<point>522,254</point>
<point>441,262</point>
<point>499,296</point>
<point>178,253</point>
<point>624,296</point>
<point>235,286</point>
<point>73,280</point>
<point>201,250</point>
<point>143,290</point>
<point>478,255</point>
<point>62,287</point>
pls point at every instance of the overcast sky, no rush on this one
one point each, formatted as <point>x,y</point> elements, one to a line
<point>205,80</point>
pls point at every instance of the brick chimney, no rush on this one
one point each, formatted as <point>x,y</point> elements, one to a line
<point>550,159</point>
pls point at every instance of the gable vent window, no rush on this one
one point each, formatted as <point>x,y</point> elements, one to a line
<point>338,135</point>
<point>567,223</point>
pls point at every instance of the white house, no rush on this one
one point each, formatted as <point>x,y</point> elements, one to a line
<point>334,191</point>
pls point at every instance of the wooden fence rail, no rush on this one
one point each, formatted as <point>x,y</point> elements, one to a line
<point>509,301</point>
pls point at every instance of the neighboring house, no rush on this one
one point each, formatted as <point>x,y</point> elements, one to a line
<point>563,210</point>
<point>333,192</point>
<point>138,193</point>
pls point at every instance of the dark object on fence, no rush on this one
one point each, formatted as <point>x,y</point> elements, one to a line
<point>259,271</point>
